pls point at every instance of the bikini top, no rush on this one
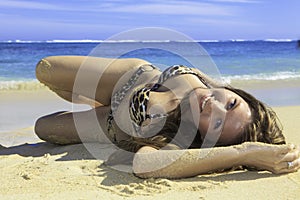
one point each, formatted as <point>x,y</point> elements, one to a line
<point>140,98</point>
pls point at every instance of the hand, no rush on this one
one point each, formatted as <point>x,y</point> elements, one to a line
<point>274,158</point>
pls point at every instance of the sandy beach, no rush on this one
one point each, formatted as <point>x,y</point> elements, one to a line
<point>33,169</point>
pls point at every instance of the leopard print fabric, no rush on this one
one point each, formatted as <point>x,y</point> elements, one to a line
<point>120,94</point>
<point>139,101</point>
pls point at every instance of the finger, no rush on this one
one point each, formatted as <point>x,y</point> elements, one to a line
<point>297,164</point>
<point>291,156</point>
<point>284,149</point>
<point>295,167</point>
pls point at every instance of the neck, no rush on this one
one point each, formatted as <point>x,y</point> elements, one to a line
<point>162,102</point>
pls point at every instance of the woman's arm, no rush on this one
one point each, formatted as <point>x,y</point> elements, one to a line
<point>149,162</point>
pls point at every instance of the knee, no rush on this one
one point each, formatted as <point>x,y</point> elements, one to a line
<point>56,128</point>
<point>43,71</point>
<point>46,129</point>
<point>42,129</point>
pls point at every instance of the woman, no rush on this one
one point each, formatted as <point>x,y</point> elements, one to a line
<point>179,122</point>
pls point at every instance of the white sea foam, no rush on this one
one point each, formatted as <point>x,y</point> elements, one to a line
<point>74,41</point>
<point>20,85</point>
<point>135,41</point>
<point>6,85</point>
<point>284,75</point>
<point>22,41</point>
<point>279,40</point>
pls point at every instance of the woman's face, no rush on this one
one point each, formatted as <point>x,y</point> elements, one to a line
<point>220,114</point>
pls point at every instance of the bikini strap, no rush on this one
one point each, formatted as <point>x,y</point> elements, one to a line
<point>120,94</point>
<point>178,70</point>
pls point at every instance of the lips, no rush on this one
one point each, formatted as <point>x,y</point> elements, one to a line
<point>203,101</point>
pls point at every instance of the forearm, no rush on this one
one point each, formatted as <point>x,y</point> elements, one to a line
<point>186,163</point>
<point>278,159</point>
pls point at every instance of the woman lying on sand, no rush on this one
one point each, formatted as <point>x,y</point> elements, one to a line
<point>179,123</point>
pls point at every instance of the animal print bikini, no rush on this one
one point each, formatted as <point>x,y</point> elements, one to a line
<point>140,99</point>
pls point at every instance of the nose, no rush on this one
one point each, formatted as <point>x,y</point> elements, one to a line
<point>218,106</point>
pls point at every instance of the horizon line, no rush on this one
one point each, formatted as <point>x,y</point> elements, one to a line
<point>130,41</point>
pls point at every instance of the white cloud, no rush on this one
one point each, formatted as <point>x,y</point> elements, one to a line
<point>28,5</point>
<point>175,8</point>
<point>219,22</point>
<point>237,1</point>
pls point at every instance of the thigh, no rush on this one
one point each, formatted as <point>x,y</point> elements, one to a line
<point>91,77</point>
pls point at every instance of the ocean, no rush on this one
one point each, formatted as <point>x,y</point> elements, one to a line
<point>239,61</point>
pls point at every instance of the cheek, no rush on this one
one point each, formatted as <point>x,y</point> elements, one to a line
<point>231,132</point>
<point>203,125</point>
<point>236,127</point>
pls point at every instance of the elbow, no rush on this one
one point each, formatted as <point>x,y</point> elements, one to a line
<point>149,163</point>
<point>144,167</point>
<point>138,168</point>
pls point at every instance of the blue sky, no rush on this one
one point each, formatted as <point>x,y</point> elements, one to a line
<point>100,19</point>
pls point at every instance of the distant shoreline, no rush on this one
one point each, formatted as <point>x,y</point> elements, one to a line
<point>129,41</point>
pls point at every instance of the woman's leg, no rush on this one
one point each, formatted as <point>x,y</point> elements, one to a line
<point>94,78</point>
<point>72,128</point>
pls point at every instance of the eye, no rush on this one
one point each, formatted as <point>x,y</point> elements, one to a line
<point>231,104</point>
<point>218,123</point>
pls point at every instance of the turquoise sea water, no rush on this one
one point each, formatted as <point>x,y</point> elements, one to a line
<point>242,61</point>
